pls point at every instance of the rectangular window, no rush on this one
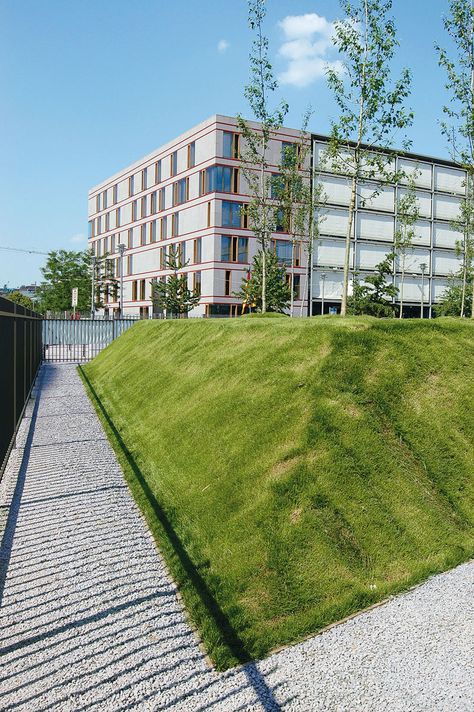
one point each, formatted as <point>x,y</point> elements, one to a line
<point>107,222</point>
<point>115,191</point>
<point>227,282</point>
<point>129,264</point>
<point>163,258</point>
<point>153,231</point>
<point>178,251</point>
<point>174,163</point>
<point>192,155</point>
<point>197,283</point>
<point>221,179</point>
<point>144,178</point>
<point>180,191</point>
<point>158,171</point>
<point>142,289</point>
<point>153,203</point>
<point>209,214</point>
<point>130,186</point>
<point>197,253</point>
<point>233,215</point>
<point>130,238</point>
<point>97,203</point>
<point>112,244</point>
<point>234,249</point>
<point>164,229</point>
<point>162,199</point>
<point>143,234</point>
<point>91,228</point>
<point>175,225</point>
<point>104,200</point>
<point>134,210</point>
<point>230,146</point>
<point>134,291</point>
<point>99,225</point>
<point>283,251</point>
<point>144,206</point>
<point>117,218</point>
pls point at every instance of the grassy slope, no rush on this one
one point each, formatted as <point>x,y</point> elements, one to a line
<point>305,468</point>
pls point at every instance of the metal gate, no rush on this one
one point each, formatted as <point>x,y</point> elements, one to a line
<point>79,341</point>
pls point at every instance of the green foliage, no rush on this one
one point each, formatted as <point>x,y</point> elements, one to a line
<point>408,213</point>
<point>374,296</point>
<point>306,467</point>
<point>260,209</point>
<point>371,106</point>
<point>21,299</point>
<point>278,292</point>
<point>172,294</point>
<point>459,125</point>
<point>456,300</point>
<point>64,270</point>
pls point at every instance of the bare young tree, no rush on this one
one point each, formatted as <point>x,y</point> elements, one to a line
<point>458,127</point>
<point>254,149</point>
<point>371,106</point>
<point>408,212</point>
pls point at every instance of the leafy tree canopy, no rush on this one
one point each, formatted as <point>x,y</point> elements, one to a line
<point>374,296</point>
<point>21,299</point>
<point>172,294</point>
<point>278,293</point>
<point>451,302</point>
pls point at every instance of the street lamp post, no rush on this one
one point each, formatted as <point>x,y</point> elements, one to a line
<point>93,263</point>
<point>121,253</point>
<point>423,267</point>
<point>323,281</point>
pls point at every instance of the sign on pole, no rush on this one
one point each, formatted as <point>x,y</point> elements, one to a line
<point>74,296</point>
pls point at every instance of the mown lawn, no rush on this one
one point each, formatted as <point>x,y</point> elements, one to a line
<point>294,471</point>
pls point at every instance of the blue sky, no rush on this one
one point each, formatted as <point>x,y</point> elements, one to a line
<point>90,86</point>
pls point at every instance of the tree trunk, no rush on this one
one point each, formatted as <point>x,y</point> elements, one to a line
<point>402,283</point>
<point>264,231</point>
<point>464,278</point>
<point>292,278</point>
<point>347,255</point>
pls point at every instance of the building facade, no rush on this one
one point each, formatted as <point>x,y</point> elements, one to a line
<point>186,198</point>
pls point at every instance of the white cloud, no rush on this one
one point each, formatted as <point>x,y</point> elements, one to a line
<point>307,47</point>
<point>222,46</point>
<point>78,238</point>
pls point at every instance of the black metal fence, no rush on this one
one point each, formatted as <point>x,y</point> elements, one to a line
<point>20,358</point>
<point>72,341</point>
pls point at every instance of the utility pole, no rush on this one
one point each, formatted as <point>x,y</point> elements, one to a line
<point>121,253</point>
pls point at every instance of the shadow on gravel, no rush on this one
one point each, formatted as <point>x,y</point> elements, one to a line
<point>10,527</point>
<point>255,679</point>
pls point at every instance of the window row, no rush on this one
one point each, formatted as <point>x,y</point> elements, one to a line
<point>229,288</point>
<point>143,179</point>
<point>183,253</point>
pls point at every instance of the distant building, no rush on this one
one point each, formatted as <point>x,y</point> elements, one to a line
<point>186,196</point>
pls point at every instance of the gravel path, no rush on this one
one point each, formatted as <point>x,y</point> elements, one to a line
<point>90,619</point>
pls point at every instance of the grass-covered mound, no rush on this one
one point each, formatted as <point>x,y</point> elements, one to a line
<point>294,471</point>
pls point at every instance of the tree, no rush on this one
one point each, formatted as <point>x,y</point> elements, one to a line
<point>458,128</point>
<point>371,108</point>
<point>375,296</point>
<point>465,248</point>
<point>172,294</point>
<point>278,291</point>
<point>253,154</point>
<point>408,213</point>
<point>21,299</point>
<point>66,269</point>
<point>455,299</point>
<point>291,191</point>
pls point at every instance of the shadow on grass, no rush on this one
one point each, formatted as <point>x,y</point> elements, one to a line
<point>234,644</point>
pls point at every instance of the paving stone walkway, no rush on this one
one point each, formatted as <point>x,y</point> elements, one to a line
<point>90,619</point>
